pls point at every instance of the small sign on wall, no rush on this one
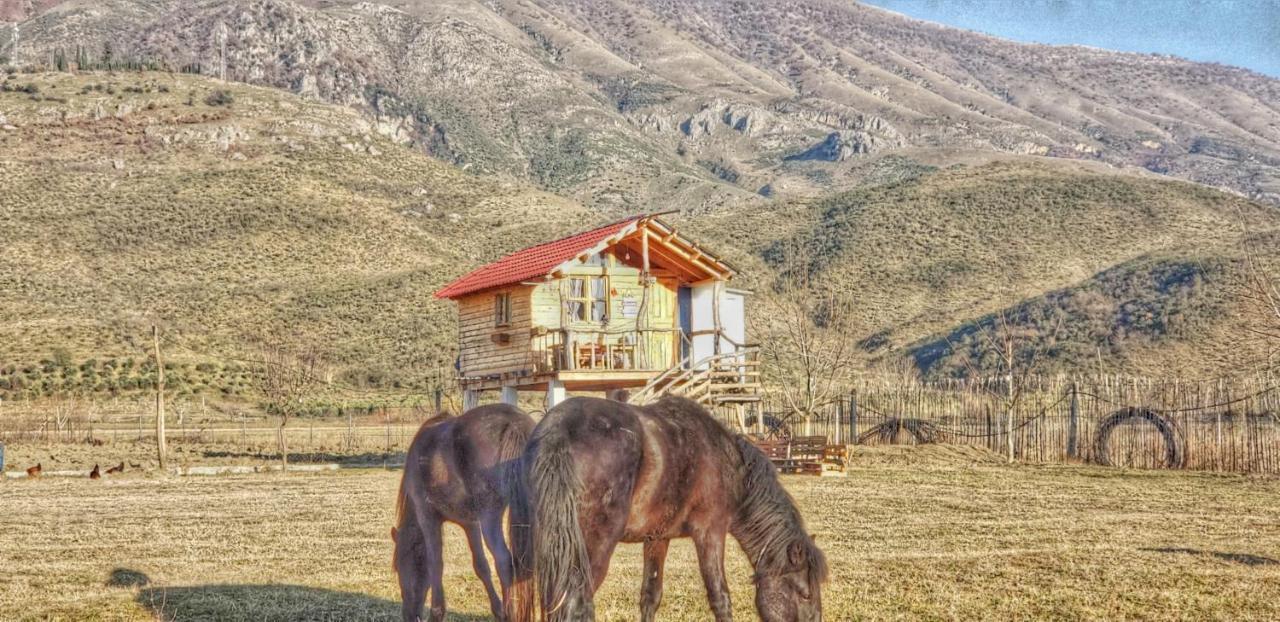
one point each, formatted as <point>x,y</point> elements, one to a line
<point>630,307</point>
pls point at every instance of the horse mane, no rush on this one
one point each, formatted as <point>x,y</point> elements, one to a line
<point>768,523</point>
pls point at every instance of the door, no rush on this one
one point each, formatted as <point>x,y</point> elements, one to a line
<point>685,302</point>
<point>660,348</point>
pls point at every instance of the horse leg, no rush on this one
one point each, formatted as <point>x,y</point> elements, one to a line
<point>434,546</point>
<point>491,528</point>
<point>710,546</point>
<point>655,556</point>
<point>481,567</point>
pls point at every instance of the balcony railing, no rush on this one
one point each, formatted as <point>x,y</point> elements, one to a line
<point>604,350</point>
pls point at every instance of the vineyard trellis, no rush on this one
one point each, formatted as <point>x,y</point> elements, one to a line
<point>1223,425</point>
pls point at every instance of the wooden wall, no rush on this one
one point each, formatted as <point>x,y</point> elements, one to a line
<point>624,284</point>
<point>540,306</point>
<point>480,354</point>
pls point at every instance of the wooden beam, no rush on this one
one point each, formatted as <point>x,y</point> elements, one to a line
<point>644,252</point>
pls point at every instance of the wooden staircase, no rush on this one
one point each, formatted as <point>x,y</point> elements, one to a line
<point>726,378</point>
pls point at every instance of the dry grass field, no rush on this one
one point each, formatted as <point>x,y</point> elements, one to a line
<point>925,533</point>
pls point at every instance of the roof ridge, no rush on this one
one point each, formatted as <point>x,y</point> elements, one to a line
<point>536,260</point>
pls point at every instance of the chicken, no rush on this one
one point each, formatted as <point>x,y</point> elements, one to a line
<point>95,473</point>
<point>116,469</point>
<point>34,471</point>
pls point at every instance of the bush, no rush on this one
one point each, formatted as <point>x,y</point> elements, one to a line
<point>220,98</point>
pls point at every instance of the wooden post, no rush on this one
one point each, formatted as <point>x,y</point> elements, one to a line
<point>838,429</point>
<point>1009,404</point>
<point>853,417</point>
<point>510,395</point>
<point>716,287</point>
<point>1073,423</point>
<point>642,314</point>
<point>160,444</point>
<point>555,393</point>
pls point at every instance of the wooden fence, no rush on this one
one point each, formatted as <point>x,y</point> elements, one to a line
<point>121,420</point>
<point>1134,422</point>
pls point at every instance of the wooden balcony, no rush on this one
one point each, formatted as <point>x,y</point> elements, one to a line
<point>651,350</point>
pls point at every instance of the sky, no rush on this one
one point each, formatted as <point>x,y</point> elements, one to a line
<point>1245,33</point>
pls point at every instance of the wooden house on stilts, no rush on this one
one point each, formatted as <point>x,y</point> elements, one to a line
<point>632,305</point>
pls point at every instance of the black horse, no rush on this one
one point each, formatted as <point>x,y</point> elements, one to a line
<point>600,472</point>
<point>462,470</point>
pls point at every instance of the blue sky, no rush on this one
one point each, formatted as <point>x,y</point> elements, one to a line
<point>1245,33</point>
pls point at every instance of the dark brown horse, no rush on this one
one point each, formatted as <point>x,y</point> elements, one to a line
<point>601,472</point>
<point>462,470</point>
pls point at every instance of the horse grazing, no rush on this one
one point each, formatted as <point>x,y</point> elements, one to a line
<point>463,470</point>
<point>599,472</point>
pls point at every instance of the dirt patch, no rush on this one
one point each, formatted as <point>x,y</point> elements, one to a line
<point>140,457</point>
<point>932,455</point>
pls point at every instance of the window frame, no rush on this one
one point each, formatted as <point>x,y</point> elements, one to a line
<point>587,300</point>
<point>502,309</point>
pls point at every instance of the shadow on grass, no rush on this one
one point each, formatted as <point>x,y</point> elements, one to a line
<point>123,577</point>
<point>273,603</point>
<point>1239,558</point>
<point>367,459</point>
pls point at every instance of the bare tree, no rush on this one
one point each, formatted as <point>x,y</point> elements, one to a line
<point>1261,291</point>
<point>807,336</point>
<point>286,378</point>
<point>1014,353</point>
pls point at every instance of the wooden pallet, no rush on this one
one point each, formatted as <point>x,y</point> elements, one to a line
<point>808,455</point>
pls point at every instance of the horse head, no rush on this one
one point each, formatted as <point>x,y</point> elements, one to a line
<point>791,591</point>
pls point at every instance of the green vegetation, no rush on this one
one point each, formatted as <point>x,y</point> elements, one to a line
<point>1143,272</point>
<point>138,199</point>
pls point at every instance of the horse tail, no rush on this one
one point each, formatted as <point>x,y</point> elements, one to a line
<point>560,555</point>
<point>520,595</point>
<point>405,534</point>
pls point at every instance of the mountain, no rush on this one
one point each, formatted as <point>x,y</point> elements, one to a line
<point>231,214</point>
<point>695,104</point>
<point>357,155</point>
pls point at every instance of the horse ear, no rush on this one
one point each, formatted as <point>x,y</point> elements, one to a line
<point>394,533</point>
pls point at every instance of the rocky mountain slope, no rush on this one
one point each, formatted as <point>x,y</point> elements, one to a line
<point>357,155</point>
<point>699,104</point>
<point>230,214</point>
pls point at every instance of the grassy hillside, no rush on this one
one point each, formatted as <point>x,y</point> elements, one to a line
<point>1143,271</point>
<point>231,214</point>
<point>228,214</point>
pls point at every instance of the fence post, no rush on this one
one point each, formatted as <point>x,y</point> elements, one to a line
<point>853,417</point>
<point>1073,422</point>
<point>839,426</point>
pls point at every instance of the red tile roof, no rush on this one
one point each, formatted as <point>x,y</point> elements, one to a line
<point>533,262</point>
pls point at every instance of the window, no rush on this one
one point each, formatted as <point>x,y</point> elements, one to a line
<point>588,299</point>
<point>502,310</point>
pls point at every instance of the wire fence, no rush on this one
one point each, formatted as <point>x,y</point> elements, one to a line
<point>387,429</point>
<point>1135,422</point>
<point>1222,425</point>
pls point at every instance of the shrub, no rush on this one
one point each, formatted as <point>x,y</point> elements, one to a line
<point>220,98</point>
